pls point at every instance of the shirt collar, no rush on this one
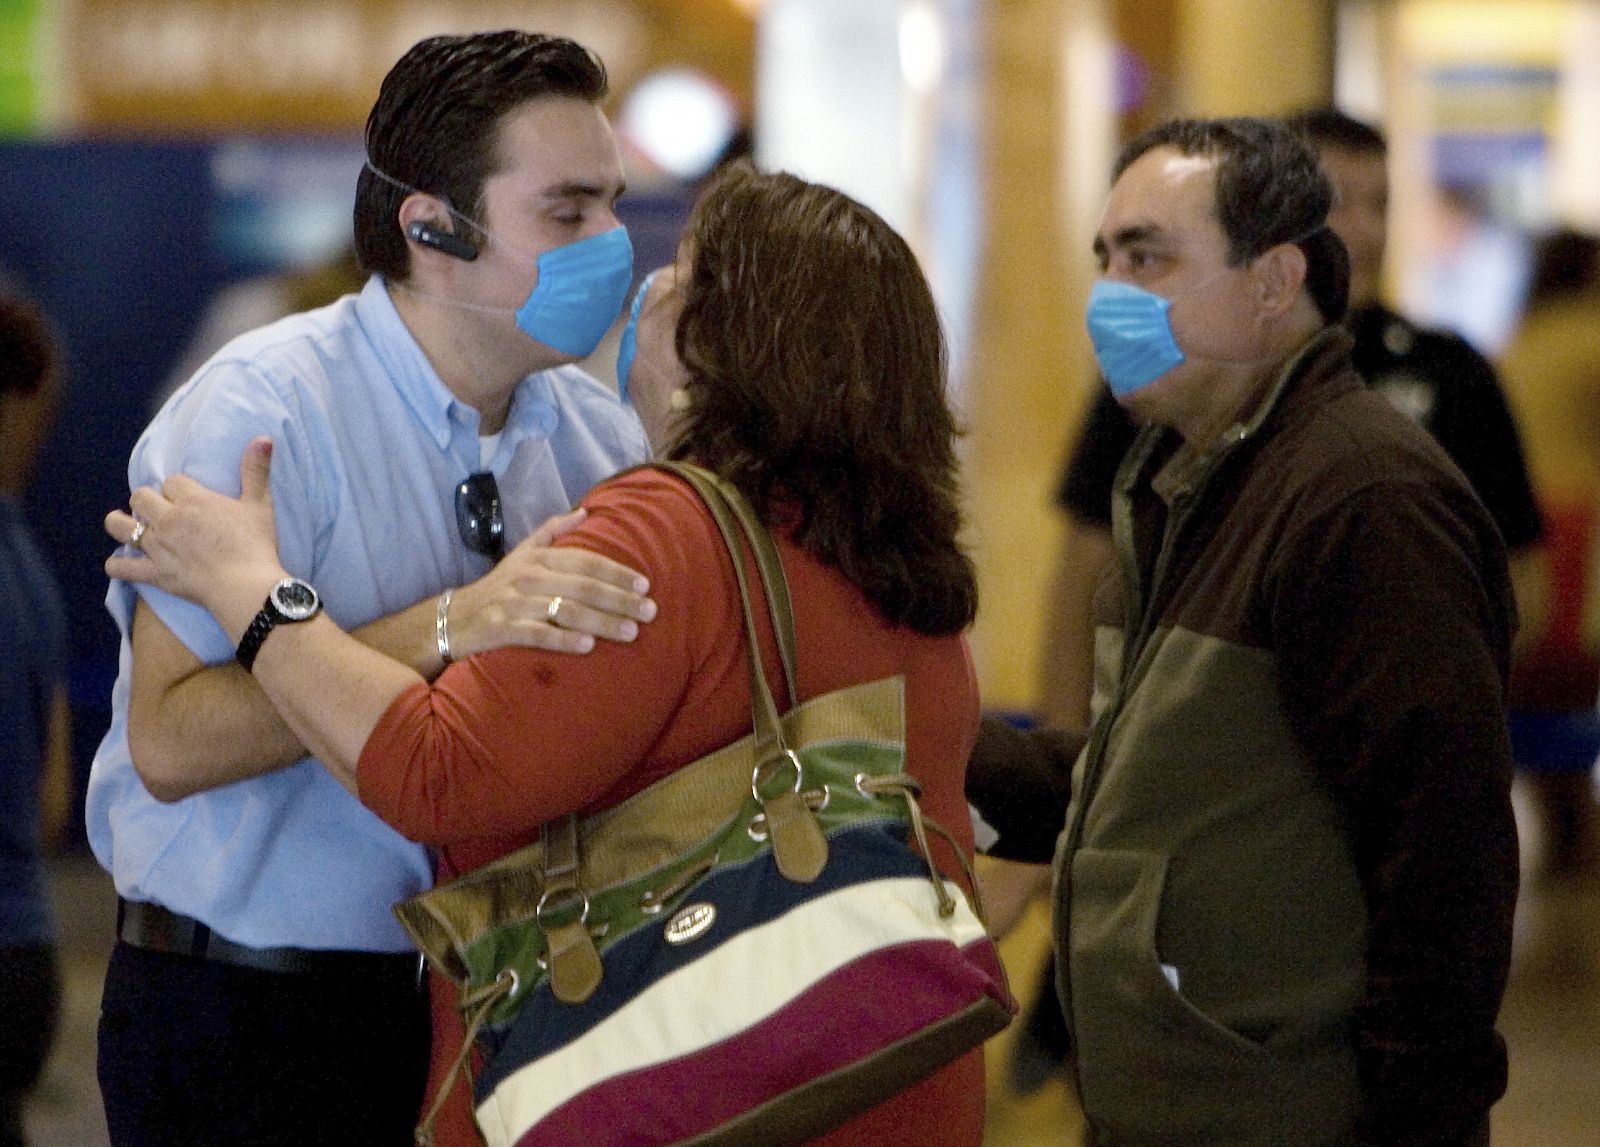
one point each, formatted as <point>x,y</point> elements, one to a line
<point>534,410</point>
<point>401,357</point>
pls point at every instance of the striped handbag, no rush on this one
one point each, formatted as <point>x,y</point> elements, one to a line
<point>750,951</point>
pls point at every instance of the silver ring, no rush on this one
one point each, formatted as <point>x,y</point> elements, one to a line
<point>139,527</point>
<point>551,610</point>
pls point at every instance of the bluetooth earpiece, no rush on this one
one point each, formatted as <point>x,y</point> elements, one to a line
<point>428,235</point>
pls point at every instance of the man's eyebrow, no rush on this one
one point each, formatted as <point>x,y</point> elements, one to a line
<point>1139,233</point>
<point>579,190</point>
<point>1126,237</point>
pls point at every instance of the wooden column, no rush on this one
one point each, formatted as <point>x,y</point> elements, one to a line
<point>1049,122</point>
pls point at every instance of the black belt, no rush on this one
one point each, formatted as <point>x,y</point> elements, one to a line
<point>157,929</point>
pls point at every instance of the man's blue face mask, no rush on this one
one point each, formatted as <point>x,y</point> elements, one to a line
<point>579,292</point>
<point>1131,329</point>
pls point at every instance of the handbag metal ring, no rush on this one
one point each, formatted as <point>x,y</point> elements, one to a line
<point>761,773</point>
<point>516,981</point>
<point>563,898</point>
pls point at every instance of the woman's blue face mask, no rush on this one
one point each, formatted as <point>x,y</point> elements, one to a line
<point>628,348</point>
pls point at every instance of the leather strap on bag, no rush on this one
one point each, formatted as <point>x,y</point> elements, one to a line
<point>798,846</point>
<point>563,914</point>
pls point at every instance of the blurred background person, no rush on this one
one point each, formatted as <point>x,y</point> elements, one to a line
<point>33,715</point>
<point>1433,375</point>
<point>1552,373</point>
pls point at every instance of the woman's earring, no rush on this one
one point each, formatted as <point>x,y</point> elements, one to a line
<point>678,399</point>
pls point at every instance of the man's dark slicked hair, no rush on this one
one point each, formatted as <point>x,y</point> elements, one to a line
<point>1330,127</point>
<point>1270,189</point>
<point>435,126</point>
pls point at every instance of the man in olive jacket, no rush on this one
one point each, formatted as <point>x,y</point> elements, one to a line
<point>1285,885</point>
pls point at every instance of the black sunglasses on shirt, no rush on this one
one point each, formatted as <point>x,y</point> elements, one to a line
<point>478,517</point>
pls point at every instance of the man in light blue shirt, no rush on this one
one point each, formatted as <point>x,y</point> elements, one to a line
<point>261,991</point>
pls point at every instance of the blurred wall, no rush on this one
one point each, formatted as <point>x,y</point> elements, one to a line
<point>196,66</point>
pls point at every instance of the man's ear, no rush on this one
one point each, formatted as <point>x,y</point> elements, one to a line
<point>426,220</point>
<point>1280,274</point>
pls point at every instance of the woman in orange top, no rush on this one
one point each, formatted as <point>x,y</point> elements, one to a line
<point>795,350</point>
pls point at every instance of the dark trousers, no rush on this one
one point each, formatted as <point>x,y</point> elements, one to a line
<point>195,1053</point>
<point>30,1002</point>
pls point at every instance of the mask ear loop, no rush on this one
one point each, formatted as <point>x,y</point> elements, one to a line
<point>443,300</point>
<point>454,214</point>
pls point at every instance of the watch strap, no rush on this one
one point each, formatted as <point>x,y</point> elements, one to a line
<point>291,600</point>
<point>255,633</point>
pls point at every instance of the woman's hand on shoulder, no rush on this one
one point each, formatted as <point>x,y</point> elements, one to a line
<point>547,597</point>
<point>198,544</point>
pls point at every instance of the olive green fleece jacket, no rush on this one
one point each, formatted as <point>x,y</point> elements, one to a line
<point>1285,884</point>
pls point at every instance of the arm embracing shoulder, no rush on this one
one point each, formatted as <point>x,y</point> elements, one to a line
<point>192,726</point>
<point>195,719</point>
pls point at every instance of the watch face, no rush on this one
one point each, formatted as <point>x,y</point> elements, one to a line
<point>295,599</point>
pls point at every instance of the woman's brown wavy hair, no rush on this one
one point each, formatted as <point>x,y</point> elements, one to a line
<point>816,384</point>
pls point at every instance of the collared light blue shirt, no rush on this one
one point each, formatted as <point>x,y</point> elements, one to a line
<point>368,448</point>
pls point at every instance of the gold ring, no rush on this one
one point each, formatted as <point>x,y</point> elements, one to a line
<point>551,610</point>
<point>139,527</point>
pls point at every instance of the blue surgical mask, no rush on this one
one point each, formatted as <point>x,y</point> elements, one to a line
<point>1131,330</point>
<point>579,293</point>
<point>629,346</point>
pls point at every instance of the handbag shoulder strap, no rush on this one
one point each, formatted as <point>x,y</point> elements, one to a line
<point>736,519</point>
<point>798,845</point>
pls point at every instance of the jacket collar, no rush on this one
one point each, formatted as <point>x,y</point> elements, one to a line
<point>1315,372</point>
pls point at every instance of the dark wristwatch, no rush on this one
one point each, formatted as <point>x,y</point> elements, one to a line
<point>291,600</point>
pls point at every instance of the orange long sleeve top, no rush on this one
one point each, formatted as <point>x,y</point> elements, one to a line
<point>509,739</point>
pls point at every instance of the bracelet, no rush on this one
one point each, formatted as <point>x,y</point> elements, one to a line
<point>441,626</point>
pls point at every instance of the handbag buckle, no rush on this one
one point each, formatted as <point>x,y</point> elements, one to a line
<point>564,899</point>
<point>816,800</point>
<point>799,847</point>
